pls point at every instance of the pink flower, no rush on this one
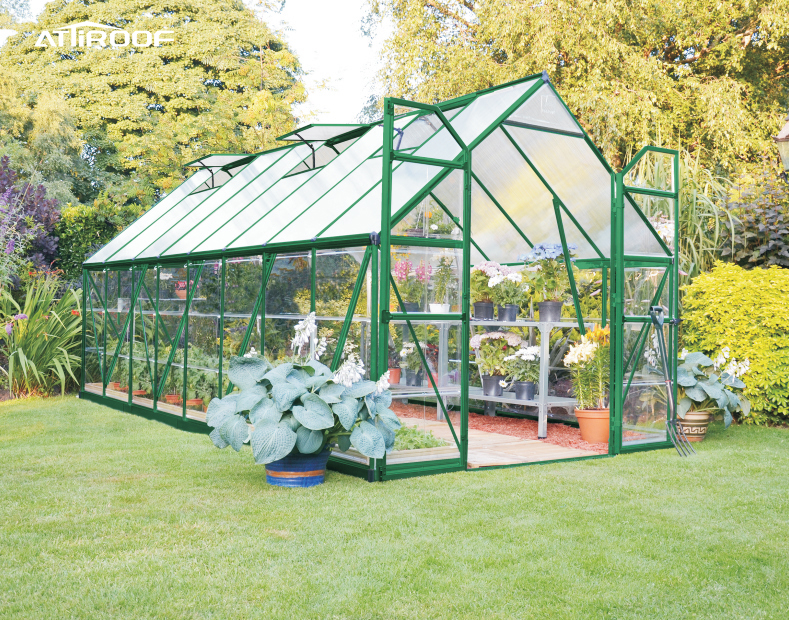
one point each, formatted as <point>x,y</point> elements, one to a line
<point>401,270</point>
<point>9,328</point>
<point>423,272</point>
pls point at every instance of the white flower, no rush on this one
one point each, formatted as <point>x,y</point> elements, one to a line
<point>383,383</point>
<point>304,331</point>
<point>514,277</point>
<point>503,384</point>
<point>320,349</point>
<point>252,353</point>
<point>495,280</point>
<point>433,227</point>
<point>683,354</point>
<point>352,369</point>
<point>580,353</point>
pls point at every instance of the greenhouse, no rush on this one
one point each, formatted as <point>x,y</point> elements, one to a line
<point>380,230</point>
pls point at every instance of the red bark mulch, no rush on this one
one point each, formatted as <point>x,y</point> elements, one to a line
<point>558,434</point>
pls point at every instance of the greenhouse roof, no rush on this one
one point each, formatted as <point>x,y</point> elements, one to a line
<point>530,156</point>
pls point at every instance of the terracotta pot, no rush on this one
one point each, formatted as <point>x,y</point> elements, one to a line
<point>695,425</point>
<point>180,294</point>
<point>594,424</point>
<point>115,385</point>
<point>139,392</point>
<point>394,375</point>
<point>194,403</point>
<point>172,399</point>
<point>125,388</point>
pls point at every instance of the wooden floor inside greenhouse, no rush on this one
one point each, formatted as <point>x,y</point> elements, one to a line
<point>486,449</point>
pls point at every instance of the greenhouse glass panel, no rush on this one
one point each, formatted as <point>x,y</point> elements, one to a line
<point>94,332</point>
<point>173,291</point>
<point>243,280</point>
<point>141,224</point>
<point>641,287</point>
<point>241,184</point>
<point>492,231</point>
<point>219,225</point>
<point>545,109</point>
<point>576,175</point>
<point>660,214</point>
<point>165,223</point>
<point>288,301</point>
<point>361,217</point>
<point>143,341</point>
<point>203,353</point>
<point>318,185</point>
<point>654,170</point>
<point>120,375</point>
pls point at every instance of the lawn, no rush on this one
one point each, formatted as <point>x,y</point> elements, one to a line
<point>108,515</point>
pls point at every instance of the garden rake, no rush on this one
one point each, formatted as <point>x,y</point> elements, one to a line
<point>673,429</point>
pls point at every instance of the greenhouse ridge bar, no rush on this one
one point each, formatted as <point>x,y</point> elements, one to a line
<point>376,228</point>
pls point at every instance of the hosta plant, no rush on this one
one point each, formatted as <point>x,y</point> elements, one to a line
<point>301,407</point>
<point>700,388</point>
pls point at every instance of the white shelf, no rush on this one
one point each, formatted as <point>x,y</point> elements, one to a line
<point>482,322</point>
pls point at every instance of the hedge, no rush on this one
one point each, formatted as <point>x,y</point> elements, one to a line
<point>84,229</point>
<point>748,311</point>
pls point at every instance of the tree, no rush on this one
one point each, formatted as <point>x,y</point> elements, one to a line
<point>226,83</point>
<point>707,75</point>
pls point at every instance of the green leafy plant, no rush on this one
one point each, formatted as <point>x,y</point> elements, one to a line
<point>413,438</point>
<point>547,272</point>
<point>590,369</point>
<point>508,289</point>
<point>410,357</point>
<point>480,280</point>
<point>41,339</point>
<point>300,407</point>
<point>700,388</point>
<point>523,365</point>
<point>491,350</point>
<point>442,277</point>
<point>745,310</point>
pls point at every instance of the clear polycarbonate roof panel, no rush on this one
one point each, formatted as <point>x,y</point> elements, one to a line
<point>318,132</point>
<point>327,178</point>
<point>544,109</point>
<point>515,186</point>
<point>216,161</point>
<point>168,220</point>
<point>409,178</point>
<point>576,175</point>
<point>247,180</point>
<point>229,219</point>
<point>149,217</point>
<point>323,155</point>
<point>491,231</point>
<point>236,226</point>
<point>450,193</point>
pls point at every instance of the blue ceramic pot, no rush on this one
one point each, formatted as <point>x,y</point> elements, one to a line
<point>298,470</point>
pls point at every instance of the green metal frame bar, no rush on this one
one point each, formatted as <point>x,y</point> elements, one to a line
<point>374,317</point>
<point>84,322</point>
<point>569,266</point>
<point>617,312</point>
<point>552,192</point>
<point>132,310</point>
<point>180,331</point>
<point>142,322</point>
<point>221,357</point>
<point>426,242</point>
<point>313,277</point>
<point>531,127</point>
<point>346,326</point>
<point>604,290</point>
<point>122,335</point>
<point>424,316</point>
<point>426,161</point>
<point>426,190</point>
<point>439,400</point>
<point>500,208</point>
<point>157,322</point>
<point>103,355</point>
<point>268,267</point>
<point>187,308</point>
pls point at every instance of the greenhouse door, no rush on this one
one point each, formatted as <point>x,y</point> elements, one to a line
<point>643,260</point>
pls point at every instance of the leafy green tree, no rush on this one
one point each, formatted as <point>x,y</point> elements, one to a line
<point>226,83</point>
<point>702,74</point>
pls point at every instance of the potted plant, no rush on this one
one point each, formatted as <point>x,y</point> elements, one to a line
<point>175,382</point>
<point>294,414</point>
<point>479,284</point>
<point>589,363</point>
<point>180,289</point>
<point>394,367</point>
<point>523,371</point>
<point>491,348</point>
<point>441,281</point>
<point>412,361</point>
<point>508,292</point>
<point>547,273</point>
<point>411,283</point>
<point>706,387</point>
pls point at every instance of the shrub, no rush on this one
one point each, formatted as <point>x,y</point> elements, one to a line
<point>41,340</point>
<point>83,229</point>
<point>745,310</point>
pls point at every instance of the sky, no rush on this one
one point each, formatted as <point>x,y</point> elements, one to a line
<point>326,36</point>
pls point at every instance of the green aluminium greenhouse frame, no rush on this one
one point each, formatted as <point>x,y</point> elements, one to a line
<point>484,177</point>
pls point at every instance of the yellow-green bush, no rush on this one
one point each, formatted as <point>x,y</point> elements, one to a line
<point>747,311</point>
